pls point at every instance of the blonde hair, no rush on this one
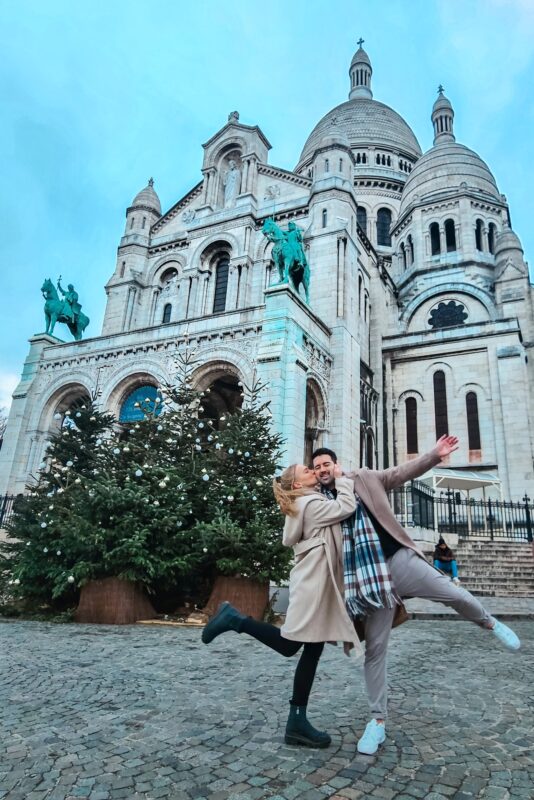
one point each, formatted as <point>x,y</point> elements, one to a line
<point>284,493</point>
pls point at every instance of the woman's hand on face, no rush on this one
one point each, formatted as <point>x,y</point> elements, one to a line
<point>338,471</point>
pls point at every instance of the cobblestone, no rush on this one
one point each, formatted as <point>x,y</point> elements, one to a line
<point>144,713</point>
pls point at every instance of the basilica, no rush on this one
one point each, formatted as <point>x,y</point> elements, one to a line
<point>420,318</point>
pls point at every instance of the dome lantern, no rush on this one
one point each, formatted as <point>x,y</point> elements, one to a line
<point>360,75</point>
<point>442,118</point>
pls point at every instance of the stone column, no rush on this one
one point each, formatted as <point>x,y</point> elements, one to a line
<point>231,289</point>
<point>442,240</point>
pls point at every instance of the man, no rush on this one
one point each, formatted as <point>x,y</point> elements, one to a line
<point>383,564</point>
<point>71,306</point>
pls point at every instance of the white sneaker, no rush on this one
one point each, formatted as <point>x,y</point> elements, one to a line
<point>506,635</point>
<point>373,736</point>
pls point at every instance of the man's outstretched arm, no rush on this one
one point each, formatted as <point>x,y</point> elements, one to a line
<point>396,476</point>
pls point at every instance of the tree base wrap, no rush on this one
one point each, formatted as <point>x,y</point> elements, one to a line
<point>112,601</point>
<point>248,596</point>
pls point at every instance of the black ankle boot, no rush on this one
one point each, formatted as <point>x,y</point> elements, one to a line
<point>300,731</point>
<point>227,618</point>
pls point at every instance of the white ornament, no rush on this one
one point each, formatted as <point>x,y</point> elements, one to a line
<point>69,464</point>
<point>162,485</point>
<point>204,549</point>
<point>160,428</point>
<point>70,579</point>
<point>28,544</point>
<point>156,502</point>
<point>44,524</point>
<point>200,424</point>
<point>58,552</point>
<point>78,414</point>
<point>230,450</point>
<point>218,446</point>
<point>45,549</point>
<point>116,451</point>
<point>230,498</point>
<point>138,473</point>
<point>16,582</point>
<point>247,454</point>
<point>205,477</point>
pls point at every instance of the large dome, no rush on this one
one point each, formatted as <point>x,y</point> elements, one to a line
<point>444,168</point>
<point>364,122</point>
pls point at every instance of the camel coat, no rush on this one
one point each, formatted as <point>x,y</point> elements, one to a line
<point>316,611</point>
<point>372,486</point>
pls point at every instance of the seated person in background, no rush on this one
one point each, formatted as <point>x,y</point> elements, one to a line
<point>444,559</point>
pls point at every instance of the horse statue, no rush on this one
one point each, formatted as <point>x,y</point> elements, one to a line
<point>67,310</point>
<point>288,255</point>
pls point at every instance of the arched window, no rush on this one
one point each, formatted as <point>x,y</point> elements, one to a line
<point>132,222</point>
<point>473,427</point>
<point>450,235</point>
<point>377,159</point>
<point>411,425</point>
<point>366,306</point>
<point>358,158</point>
<point>440,404</point>
<point>144,222</point>
<point>326,165</point>
<point>409,250</point>
<point>221,284</point>
<point>403,256</point>
<point>435,247</point>
<point>123,268</point>
<point>361,218</point>
<point>167,308</point>
<point>364,158</point>
<point>144,398</point>
<point>360,290</point>
<point>492,230</point>
<point>341,165</point>
<point>383,224</point>
<point>324,217</point>
<point>478,234</point>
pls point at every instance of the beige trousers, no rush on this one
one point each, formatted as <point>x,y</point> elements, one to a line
<point>412,577</point>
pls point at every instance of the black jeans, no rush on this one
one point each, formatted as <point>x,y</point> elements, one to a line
<point>307,666</point>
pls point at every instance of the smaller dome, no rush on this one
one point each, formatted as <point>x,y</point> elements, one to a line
<point>360,57</point>
<point>148,198</point>
<point>448,167</point>
<point>507,240</point>
<point>442,103</point>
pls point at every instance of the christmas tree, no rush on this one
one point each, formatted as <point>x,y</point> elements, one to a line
<point>242,536</point>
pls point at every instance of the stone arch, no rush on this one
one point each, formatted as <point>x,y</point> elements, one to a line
<point>230,145</point>
<point>226,241</point>
<point>481,295</point>
<point>60,397</point>
<point>410,393</point>
<point>126,380</point>
<point>159,267</point>
<point>315,418</point>
<point>221,382</point>
<point>472,386</point>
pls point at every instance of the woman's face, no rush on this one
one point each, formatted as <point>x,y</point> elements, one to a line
<point>304,477</point>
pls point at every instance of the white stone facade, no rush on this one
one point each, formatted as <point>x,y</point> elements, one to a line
<point>414,271</point>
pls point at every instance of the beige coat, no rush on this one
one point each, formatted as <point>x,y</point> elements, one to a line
<point>316,611</point>
<point>372,487</point>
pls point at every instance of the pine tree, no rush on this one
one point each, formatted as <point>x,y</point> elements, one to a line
<point>243,535</point>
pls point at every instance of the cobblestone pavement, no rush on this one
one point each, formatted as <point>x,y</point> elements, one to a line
<point>143,713</point>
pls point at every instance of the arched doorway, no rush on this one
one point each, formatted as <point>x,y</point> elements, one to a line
<point>223,392</point>
<point>314,420</point>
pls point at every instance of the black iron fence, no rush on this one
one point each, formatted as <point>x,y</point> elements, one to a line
<point>416,504</point>
<point>6,508</point>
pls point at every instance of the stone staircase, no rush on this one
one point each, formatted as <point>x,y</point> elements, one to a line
<point>498,568</point>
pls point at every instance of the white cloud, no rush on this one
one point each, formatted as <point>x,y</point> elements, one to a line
<point>8,382</point>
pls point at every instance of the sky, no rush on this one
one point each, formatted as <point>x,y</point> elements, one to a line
<point>98,97</point>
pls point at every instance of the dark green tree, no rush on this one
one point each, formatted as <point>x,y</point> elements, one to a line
<point>243,533</point>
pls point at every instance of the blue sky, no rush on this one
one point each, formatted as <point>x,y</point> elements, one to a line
<point>99,97</point>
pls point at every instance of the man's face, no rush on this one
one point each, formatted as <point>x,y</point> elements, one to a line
<point>323,467</point>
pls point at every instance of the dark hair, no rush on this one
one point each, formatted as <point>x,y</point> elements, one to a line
<point>324,451</point>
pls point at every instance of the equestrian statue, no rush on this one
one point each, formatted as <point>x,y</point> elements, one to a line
<point>288,255</point>
<point>65,309</point>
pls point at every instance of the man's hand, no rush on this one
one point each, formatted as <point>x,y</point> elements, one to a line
<point>446,445</point>
<point>338,471</point>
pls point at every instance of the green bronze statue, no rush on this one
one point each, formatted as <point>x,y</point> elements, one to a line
<point>67,310</point>
<point>288,255</point>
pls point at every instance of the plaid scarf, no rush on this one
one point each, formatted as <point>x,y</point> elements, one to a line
<point>368,584</point>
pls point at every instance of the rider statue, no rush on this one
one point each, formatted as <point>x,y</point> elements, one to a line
<point>71,306</point>
<point>294,239</point>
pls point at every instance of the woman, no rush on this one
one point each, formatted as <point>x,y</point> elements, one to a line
<point>316,613</point>
<point>444,559</point>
